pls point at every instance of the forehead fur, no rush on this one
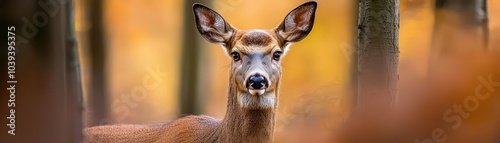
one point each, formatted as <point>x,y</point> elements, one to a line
<point>256,38</point>
<point>255,41</point>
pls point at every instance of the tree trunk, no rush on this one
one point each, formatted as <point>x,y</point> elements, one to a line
<point>190,63</point>
<point>378,53</point>
<point>459,20</point>
<point>74,93</point>
<point>48,90</point>
<point>97,96</point>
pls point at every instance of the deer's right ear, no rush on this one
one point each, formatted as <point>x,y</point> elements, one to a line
<point>211,25</point>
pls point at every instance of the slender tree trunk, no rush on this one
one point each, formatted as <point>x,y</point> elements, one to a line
<point>190,63</point>
<point>378,52</point>
<point>97,96</point>
<point>458,20</point>
<point>74,93</point>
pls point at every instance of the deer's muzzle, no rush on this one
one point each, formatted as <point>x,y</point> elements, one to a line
<point>257,84</point>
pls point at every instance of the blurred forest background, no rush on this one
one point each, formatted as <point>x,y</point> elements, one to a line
<point>144,62</point>
<point>145,74</point>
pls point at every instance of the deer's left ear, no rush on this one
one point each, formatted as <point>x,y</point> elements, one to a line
<point>298,23</point>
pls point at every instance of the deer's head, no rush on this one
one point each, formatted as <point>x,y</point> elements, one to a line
<point>256,54</point>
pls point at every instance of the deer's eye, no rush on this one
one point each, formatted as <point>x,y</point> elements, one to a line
<point>236,56</point>
<point>277,55</point>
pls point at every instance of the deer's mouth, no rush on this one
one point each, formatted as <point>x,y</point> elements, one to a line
<point>257,92</point>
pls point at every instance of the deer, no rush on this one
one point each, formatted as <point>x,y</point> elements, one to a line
<point>254,82</point>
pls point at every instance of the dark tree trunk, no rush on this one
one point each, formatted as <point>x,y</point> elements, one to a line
<point>459,20</point>
<point>97,96</point>
<point>190,63</point>
<point>378,52</point>
<point>374,73</point>
<point>48,89</point>
<point>74,91</point>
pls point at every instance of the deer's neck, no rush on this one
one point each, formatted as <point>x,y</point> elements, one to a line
<point>247,125</point>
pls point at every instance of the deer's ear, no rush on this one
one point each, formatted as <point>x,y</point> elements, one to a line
<point>298,23</point>
<point>211,25</point>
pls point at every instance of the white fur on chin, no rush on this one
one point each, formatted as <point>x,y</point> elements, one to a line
<point>261,101</point>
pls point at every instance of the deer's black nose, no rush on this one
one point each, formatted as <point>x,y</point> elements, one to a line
<point>256,81</point>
